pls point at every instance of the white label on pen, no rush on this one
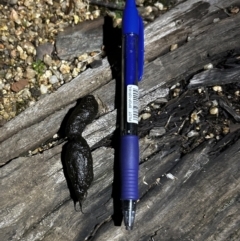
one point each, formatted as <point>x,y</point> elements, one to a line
<point>132,104</point>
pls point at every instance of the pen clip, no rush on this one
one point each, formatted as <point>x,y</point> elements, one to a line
<point>140,49</point>
<point>133,23</point>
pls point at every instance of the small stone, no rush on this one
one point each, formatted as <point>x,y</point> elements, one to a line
<point>148,109</point>
<point>83,57</point>
<point>155,106</point>
<point>214,103</point>
<point>171,176</point>
<point>209,136</point>
<point>176,92</point>
<point>226,130</point>
<point>17,86</point>
<point>64,68</point>
<point>194,117</point>
<point>30,73</point>
<point>82,66</point>
<point>47,60</point>
<point>117,22</point>
<point>13,53</point>
<point>29,60</point>
<point>173,47</point>
<point>237,93</point>
<point>19,49</point>
<point>159,6</point>
<point>43,89</point>
<point>56,86</point>
<point>200,90</point>
<point>35,92</point>
<point>47,74</point>
<point>53,79</point>
<point>208,66</point>
<point>96,13</point>
<point>7,87</point>
<point>14,16</point>
<point>29,47</point>
<point>214,110</point>
<point>145,116</point>
<point>23,55</point>
<point>25,93</point>
<point>8,75</point>
<point>66,78</point>
<point>234,10</point>
<point>76,19</point>
<point>57,73</point>
<point>148,10</point>
<point>217,88</point>
<point>75,72</point>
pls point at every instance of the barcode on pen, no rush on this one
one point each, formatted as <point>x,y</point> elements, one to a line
<point>132,104</point>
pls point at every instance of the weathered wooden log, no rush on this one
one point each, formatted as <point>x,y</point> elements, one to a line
<point>200,203</point>
<point>210,46</point>
<point>201,197</point>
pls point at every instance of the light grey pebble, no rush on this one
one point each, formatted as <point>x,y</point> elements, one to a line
<point>57,73</point>
<point>43,89</point>
<point>53,79</point>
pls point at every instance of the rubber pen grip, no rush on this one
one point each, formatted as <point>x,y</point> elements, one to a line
<point>129,160</point>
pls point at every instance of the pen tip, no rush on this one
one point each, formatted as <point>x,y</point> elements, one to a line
<point>129,227</point>
<point>129,217</point>
<point>129,210</point>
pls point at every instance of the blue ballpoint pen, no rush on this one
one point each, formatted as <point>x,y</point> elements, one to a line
<point>132,71</point>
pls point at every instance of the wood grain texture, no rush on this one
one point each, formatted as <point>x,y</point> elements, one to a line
<point>199,205</point>
<point>215,77</point>
<point>161,73</point>
<point>202,203</point>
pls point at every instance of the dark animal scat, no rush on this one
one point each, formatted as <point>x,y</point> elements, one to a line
<point>78,158</point>
<point>82,115</point>
<point>79,166</point>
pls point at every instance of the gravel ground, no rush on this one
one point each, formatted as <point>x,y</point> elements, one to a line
<point>28,29</point>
